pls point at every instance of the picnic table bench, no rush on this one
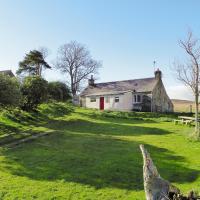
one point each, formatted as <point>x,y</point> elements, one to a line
<point>184,120</point>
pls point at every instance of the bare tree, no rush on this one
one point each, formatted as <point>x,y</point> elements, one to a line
<point>45,51</point>
<point>75,60</point>
<point>189,72</point>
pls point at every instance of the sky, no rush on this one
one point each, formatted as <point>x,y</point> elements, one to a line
<point>125,35</point>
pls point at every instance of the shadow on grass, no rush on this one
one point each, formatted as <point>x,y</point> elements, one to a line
<point>98,161</point>
<point>8,129</point>
<point>10,133</point>
<point>104,128</point>
<point>86,152</point>
<point>24,122</point>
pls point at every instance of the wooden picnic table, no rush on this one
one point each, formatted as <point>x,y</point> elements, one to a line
<point>184,120</point>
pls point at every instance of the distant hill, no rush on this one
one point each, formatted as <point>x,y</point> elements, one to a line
<point>183,105</point>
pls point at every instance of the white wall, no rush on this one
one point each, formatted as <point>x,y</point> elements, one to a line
<point>125,102</point>
<point>89,104</point>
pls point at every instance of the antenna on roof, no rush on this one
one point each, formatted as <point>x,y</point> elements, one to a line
<point>154,65</point>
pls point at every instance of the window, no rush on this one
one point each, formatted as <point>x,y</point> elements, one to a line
<point>93,99</point>
<point>107,100</point>
<point>116,99</point>
<point>137,98</point>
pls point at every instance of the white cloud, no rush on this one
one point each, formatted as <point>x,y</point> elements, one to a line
<point>179,92</point>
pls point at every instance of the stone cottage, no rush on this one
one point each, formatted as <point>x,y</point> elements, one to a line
<point>147,94</point>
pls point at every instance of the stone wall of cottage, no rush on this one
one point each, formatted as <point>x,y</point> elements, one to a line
<point>160,100</point>
<point>145,104</point>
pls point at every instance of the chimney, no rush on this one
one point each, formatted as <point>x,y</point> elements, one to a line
<point>158,74</point>
<point>91,81</point>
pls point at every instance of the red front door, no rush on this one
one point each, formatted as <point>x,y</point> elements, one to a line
<point>101,103</point>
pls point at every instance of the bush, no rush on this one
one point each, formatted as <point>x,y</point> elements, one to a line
<point>35,91</point>
<point>9,91</point>
<point>58,91</point>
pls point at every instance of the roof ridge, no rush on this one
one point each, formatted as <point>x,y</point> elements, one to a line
<point>5,70</point>
<point>126,80</point>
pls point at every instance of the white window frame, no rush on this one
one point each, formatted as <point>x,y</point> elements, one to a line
<point>117,97</point>
<point>135,98</point>
<point>93,99</point>
<point>107,99</point>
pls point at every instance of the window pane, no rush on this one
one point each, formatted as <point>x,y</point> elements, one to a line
<point>138,98</point>
<point>107,100</point>
<point>135,100</point>
<point>92,99</point>
<point>116,99</point>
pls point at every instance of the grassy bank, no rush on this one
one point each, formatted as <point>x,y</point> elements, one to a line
<point>16,124</point>
<point>92,155</point>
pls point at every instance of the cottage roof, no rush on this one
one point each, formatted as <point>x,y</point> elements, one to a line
<point>136,85</point>
<point>7,72</point>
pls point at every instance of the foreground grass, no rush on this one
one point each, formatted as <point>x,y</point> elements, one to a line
<point>92,155</point>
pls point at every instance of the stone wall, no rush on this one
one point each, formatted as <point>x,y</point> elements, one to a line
<point>145,104</point>
<point>160,100</point>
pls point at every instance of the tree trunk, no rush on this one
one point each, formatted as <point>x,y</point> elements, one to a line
<point>196,116</point>
<point>40,70</point>
<point>73,89</point>
<point>197,100</point>
<point>156,188</point>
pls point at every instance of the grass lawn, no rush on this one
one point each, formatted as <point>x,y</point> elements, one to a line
<point>93,157</point>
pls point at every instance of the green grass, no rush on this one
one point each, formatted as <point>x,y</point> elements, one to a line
<point>92,155</point>
<point>16,124</point>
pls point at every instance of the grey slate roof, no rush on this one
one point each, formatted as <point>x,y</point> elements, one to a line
<point>7,72</point>
<point>136,85</point>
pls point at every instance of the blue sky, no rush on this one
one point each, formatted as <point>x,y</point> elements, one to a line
<point>126,35</point>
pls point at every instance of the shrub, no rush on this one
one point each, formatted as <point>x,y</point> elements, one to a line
<point>9,91</point>
<point>34,90</point>
<point>58,91</point>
